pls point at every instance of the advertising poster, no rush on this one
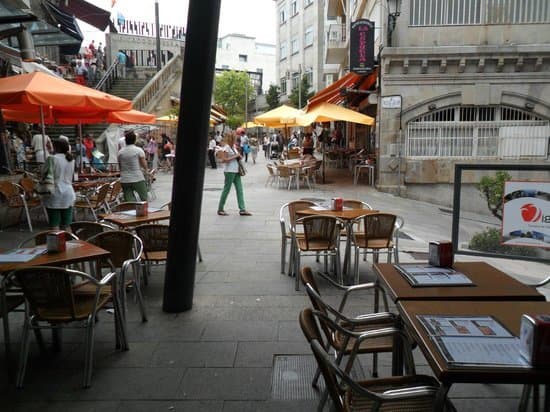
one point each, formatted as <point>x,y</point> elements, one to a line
<point>526,214</point>
<point>361,50</point>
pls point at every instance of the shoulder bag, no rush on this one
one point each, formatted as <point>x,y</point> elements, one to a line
<point>242,169</point>
<point>46,185</point>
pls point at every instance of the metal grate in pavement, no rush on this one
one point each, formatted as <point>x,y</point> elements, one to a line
<point>292,375</point>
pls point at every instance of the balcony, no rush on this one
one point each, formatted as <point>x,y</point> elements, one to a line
<point>337,44</point>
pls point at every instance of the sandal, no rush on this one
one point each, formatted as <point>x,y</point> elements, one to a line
<point>245,213</point>
<point>222,213</point>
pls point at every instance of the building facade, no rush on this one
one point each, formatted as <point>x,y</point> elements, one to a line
<point>242,53</point>
<point>459,82</point>
<point>300,49</point>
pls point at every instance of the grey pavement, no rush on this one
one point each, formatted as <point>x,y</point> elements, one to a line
<point>240,347</point>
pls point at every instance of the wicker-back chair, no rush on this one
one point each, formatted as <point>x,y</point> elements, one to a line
<point>85,229</point>
<point>52,301</point>
<point>124,206</point>
<point>287,220</point>
<point>321,235</point>
<point>126,250</point>
<point>14,196</point>
<point>377,236</point>
<point>94,203</point>
<point>115,193</point>
<point>155,245</point>
<point>397,393</point>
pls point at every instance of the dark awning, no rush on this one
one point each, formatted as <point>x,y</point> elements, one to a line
<point>87,12</point>
<point>15,11</point>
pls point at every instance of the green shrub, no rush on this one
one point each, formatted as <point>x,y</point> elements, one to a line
<point>489,241</point>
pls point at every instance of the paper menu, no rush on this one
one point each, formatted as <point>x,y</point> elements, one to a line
<point>427,275</point>
<point>463,326</point>
<point>22,255</point>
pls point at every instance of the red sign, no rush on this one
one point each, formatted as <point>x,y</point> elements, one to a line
<point>361,49</point>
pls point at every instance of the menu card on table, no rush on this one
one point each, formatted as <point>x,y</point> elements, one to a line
<point>132,212</point>
<point>473,341</point>
<point>22,255</point>
<point>427,275</point>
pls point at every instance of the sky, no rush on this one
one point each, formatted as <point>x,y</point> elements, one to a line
<point>255,18</point>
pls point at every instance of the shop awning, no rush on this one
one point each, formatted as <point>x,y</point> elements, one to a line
<point>336,93</point>
<point>87,12</point>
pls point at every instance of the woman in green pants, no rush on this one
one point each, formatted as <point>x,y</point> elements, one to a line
<point>230,156</point>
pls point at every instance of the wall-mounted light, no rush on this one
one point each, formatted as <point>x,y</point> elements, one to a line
<point>393,13</point>
<point>432,106</point>
<point>529,106</point>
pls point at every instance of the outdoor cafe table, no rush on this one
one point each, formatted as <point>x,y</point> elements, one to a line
<point>126,221</point>
<point>489,284</point>
<point>348,215</point>
<point>508,313</point>
<point>98,175</point>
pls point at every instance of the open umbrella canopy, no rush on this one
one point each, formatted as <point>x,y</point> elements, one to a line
<point>249,125</point>
<point>327,112</point>
<point>172,118</point>
<point>37,89</point>
<point>282,116</point>
<point>60,116</point>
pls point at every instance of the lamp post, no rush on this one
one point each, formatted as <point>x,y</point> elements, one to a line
<point>392,17</point>
<point>157,24</point>
<point>299,87</point>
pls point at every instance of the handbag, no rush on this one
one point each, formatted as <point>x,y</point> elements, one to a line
<point>46,185</point>
<point>242,169</point>
<point>246,148</point>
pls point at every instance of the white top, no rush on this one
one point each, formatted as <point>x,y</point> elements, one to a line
<point>232,166</point>
<point>63,195</point>
<point>38,146</point>
<point>128,159</point>
<point>212,144</point>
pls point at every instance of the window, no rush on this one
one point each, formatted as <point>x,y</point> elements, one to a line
<point>243,58</point>
<point>282,16</point>
<point>477,132</point>
<point>282,51</point>
<point>225,66</point>
<point>308,36</point>
<point>329,79</point>
<point>309,76</point>
<point>464,12</point>
<point>293,7</point>
<point>307,2</point>
<point>295,80</point>
<point>283,85</point>
<point>294,47</point>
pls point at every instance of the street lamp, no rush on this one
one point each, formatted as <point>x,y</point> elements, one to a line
<point>157,34</point>
<point>392,17</point>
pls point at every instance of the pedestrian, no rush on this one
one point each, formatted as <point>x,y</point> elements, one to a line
<point>81,73</point>
<point>59,203</point>
<point>254,149</point>
<point>89,145</point>
<point>132,160</point>
<point>151,149</point>
<point>212,152</point>
<point>230,156</point>
<point>265,146</point>
<point>244,143</point>
<point>307,145</point>
<point>39,143</point>
<point>121,66</point>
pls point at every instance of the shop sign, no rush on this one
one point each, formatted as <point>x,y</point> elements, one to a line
<point>361,49</point>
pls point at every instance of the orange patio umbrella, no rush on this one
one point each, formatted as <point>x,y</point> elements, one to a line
<point>60,116</point>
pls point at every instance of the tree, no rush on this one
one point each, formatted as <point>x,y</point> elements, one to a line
<point>272,97</point>
<point>492,188</point>
<point>231,90</point>
<point>302,93</point>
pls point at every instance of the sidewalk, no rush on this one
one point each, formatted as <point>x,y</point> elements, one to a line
<point>240,348</point>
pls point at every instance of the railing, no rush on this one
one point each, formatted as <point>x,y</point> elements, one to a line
<point>105,83</point>
<point>336,36</point>
<point>157,83</point>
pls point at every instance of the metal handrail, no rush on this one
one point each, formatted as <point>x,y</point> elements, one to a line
<point>108,78</point>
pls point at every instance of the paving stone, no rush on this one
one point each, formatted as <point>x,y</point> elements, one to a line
<point>170,406</point>
<point>270,406</point>
<point>239,331</point>
<point>194,354</point>
<point>260,354</point>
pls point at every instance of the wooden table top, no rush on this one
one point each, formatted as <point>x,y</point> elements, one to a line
<point>489,284</point>
<point>507,313</point>
<point>346,214</point>
<point>124,220</point>
<point>99,175</point>
<point>77,251</point>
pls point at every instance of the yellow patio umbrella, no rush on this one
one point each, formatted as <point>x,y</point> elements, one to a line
<point>282,116</point>
<point>249,125</point>
<point>327,112</point>
<point>172,118</point>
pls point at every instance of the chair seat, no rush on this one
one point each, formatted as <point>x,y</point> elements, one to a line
<point>84,304</point>
<point>361,241</point>
<point>156,256</point>
<point>312,245</point>
<point>374,345</point>
<point>362,403</point>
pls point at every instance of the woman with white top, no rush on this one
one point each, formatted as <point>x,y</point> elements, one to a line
<point>132,160</point>
<point>230,156</point>
<point>59,204</point>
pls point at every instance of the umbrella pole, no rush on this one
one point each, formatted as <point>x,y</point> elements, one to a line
<point>80,148</point>
<point>43,131</point>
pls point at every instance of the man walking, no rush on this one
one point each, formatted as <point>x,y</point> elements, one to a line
<point>121,66</point>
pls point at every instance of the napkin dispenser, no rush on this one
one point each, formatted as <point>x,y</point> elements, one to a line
<point>141,209</point>
<point>440,253</point>
<point>535,339</point>
<point>337,203</point>
<point>56,242</point>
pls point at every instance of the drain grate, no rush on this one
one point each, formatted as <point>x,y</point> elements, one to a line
<point>292,375</point>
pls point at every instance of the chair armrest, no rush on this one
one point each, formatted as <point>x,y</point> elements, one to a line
<point>105,280</point>
<point>410,392</point>
<point>540,284</point>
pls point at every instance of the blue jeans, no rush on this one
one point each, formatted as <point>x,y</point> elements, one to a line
<point>232,179</point>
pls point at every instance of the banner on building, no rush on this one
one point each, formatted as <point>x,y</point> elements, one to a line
<point>361,46</point>
<point>526,214</point>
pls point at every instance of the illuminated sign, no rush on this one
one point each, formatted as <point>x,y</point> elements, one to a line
<point>361,46</point>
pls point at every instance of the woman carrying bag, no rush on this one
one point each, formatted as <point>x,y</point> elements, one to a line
<point>230,157</point>
<point>59,203</point>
